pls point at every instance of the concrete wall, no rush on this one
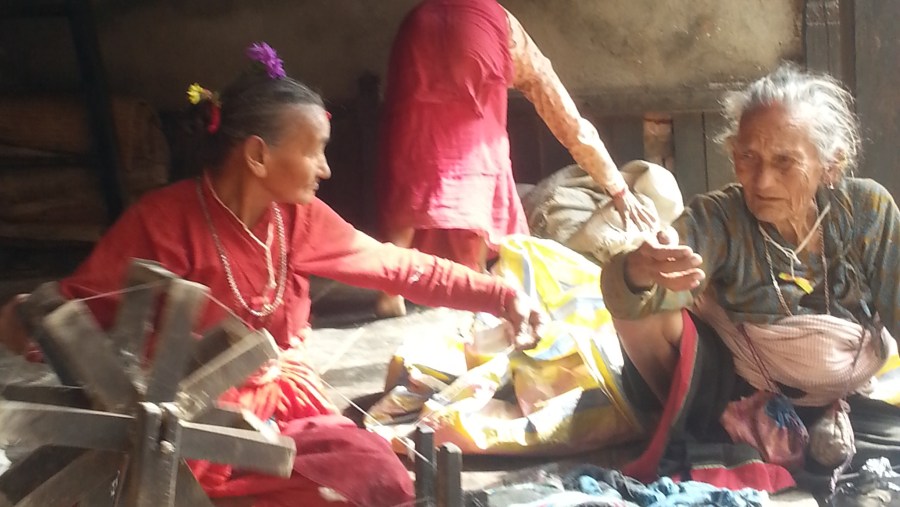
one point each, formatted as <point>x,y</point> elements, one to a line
<point>155,48</point>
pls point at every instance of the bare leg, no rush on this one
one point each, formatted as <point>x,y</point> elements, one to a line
<point>392,305</point>
<point>468,249</point>
<point>482,257</point>
<point>652,345</point>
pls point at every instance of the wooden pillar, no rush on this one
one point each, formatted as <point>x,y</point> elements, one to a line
<point>367,116</point>
<point>823,37</point>
<point>449,476</point>
<point>876,82</point>
<point>424,465</point>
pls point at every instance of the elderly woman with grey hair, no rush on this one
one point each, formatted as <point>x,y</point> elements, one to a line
<point>786,283</point>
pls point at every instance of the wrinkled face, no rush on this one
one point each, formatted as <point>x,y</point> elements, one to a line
<point>777,164</point>
<point>297,162</point>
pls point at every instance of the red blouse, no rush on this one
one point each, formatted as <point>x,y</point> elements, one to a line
<point>168,226</point>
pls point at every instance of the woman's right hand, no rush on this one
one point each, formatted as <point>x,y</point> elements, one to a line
<point>662,261</point>
<point>526,318</point>
<point>13,334</point>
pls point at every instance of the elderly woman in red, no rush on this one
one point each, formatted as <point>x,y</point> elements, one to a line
<point>446,176</point>
<point>252,230</point>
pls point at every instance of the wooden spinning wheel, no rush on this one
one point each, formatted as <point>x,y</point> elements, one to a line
<point>118,431</point>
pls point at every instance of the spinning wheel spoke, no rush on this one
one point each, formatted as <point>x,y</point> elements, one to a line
<point>183,304</point>
<point>188,492</point>
<point>150,479</point>
<point>36,425</point>
<point>143,283</point>
<point>200,389</point>
<point>89,354</point>
<point>63,396</point>
<point>44,300</point>
<point>56,477</point>
<point>247,450</point>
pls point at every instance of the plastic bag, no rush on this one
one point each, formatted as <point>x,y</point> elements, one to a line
<point>565,394</point>
<point>831,439</point>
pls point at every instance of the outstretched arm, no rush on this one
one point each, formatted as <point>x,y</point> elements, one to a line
<point>535,78</point>
<point>332,248</point>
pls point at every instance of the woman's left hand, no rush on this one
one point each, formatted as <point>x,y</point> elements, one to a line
<point>630,208</point>
<point>527,320</point>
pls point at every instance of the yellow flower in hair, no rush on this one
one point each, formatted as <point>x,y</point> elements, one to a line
<point>196,93</point>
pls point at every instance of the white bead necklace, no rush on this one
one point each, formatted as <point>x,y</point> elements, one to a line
<point>270,305</point>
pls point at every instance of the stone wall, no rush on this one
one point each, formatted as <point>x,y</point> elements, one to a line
<point>155,48</point>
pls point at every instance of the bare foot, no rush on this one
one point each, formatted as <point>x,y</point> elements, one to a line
<point>389,305</point>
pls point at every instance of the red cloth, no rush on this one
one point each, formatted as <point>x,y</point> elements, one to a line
<point>168,226</point>
<point>289,390</point>
<point>753,474</point>
<point>331,450</point>
<point>445,161</point>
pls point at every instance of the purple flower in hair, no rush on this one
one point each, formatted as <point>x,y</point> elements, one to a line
<point>265,55</point>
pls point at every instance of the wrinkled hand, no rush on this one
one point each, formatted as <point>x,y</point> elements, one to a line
<point>631,209</point>
<point>662,261</point>
<point>527,321</point>
<point>13,334</point>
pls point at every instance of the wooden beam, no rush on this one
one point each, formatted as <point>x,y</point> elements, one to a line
<point>96,92</point>
<point>200,390</point>
<point>184,302</point>
<point>62,396</point>
<point>133,316</point>
<point>188,492</point>
<point>32,424</point>
<point>153,465</point>
<point>28,474</point>
<point>103,495</point>
<point>719,170</point>
<point>90,355</point>
<point>41,302</point>
<point>690,154</point>
<point>449,476</point>
<point>822,37</point>
<point>216,341</point>
<point>218,416</point>
<point>56,477</point>
<point>424,466</point>
<point>243,449</point>
<point>877,78</point>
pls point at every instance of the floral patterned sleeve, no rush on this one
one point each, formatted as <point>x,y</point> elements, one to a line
<point>536,79</point>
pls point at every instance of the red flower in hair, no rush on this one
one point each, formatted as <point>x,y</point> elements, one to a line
<point>215,118</point>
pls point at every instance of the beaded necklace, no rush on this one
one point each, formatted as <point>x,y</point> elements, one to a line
<point>270,305</point>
